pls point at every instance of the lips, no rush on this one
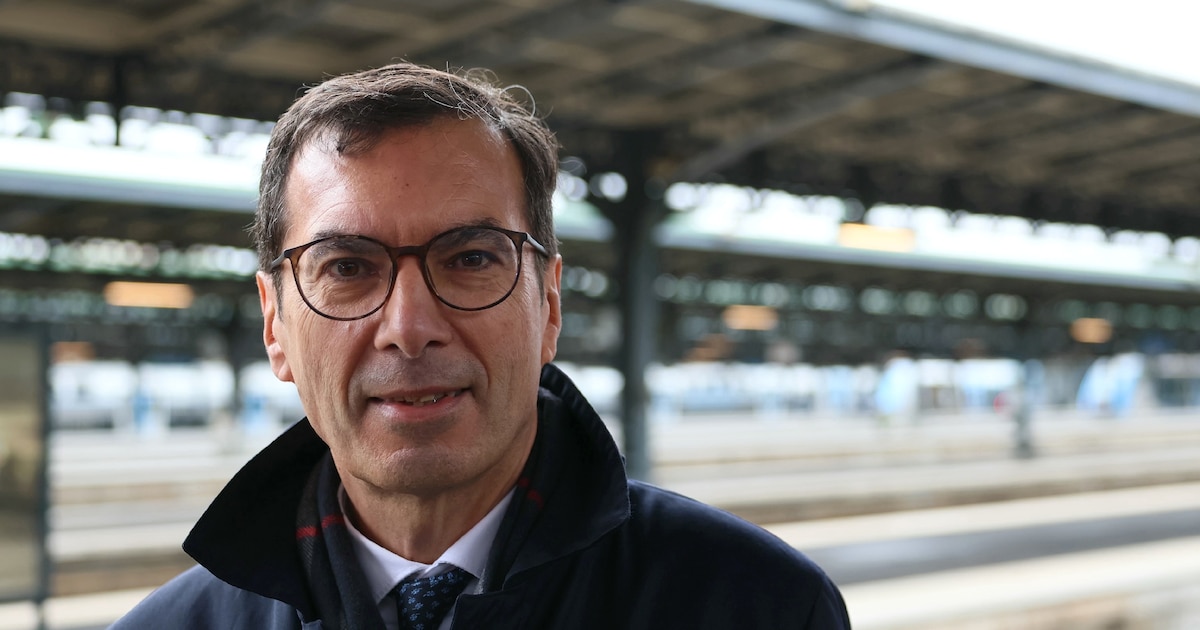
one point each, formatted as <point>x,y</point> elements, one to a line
<point>422,399</point>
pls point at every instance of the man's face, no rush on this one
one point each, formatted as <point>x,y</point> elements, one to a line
<point>358,380</point>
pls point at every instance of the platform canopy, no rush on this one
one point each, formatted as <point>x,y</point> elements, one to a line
<point>828,97</point>
<point>817,97</point>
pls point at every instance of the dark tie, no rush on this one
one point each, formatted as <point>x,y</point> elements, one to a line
<point>421,603</point>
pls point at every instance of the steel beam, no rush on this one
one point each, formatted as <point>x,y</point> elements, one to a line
<point>634,219</point>
<point>818,108</point>
<point>878,27</point>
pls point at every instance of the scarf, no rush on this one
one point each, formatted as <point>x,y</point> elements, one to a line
<point>335,581</point>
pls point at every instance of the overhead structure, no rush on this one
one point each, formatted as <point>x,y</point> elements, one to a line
<point>806,96</point>
<point>798,94</point>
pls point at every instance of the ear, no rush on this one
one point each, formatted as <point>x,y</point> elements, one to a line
<point>274,332</point>
<point>553,304</point>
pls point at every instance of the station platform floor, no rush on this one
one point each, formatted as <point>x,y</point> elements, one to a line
<point>828,486</point>
<point>1043,592</point>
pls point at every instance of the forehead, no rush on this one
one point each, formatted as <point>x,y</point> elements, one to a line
<point>408,185</point>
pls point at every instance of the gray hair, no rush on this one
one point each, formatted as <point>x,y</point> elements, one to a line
<point>354,110</point>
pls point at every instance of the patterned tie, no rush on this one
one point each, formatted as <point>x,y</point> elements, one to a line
<point>423,602</point>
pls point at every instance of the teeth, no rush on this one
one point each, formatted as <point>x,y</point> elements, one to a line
<point>427,400</point>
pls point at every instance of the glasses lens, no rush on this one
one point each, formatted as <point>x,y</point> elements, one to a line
<point>473,268</point>
<point>344,277</point>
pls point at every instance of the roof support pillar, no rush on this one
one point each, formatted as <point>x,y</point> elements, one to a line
<point>1028,392</point>
<point>634,218</point>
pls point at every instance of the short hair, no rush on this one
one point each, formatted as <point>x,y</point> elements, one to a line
<point>356,109</point>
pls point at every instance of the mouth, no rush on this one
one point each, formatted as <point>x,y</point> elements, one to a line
<point>421,400</point>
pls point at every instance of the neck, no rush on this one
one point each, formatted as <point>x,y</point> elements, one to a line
<point>422,527</point>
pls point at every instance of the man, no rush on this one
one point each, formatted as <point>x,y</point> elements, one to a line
<point>447,475</point>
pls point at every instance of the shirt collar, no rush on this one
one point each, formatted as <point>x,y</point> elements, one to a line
<point>384,569</point>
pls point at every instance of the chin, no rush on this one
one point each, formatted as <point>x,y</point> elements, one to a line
<point>419,470</point>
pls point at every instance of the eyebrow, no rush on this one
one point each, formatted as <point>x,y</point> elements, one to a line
<point>487,222</point>
<point>322,234</point>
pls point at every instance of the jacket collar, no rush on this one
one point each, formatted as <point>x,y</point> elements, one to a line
<point>246,537</point>
<point>578,474</point>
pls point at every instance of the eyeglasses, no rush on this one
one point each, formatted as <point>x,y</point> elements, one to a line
<point>349,277</point>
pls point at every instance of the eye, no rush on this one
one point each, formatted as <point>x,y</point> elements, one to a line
<point>347,268</point>
<point>472,259</point>
<point>471,250</point>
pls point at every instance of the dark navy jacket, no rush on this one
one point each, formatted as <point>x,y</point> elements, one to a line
<point>606,553</point>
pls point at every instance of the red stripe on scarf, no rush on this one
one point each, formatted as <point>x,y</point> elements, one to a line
<point>530,493</point>
<point>308,531</point>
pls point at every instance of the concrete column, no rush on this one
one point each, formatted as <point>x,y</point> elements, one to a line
<point>634,219</point>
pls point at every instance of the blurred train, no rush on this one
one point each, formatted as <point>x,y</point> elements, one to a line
<point>153,396</point>
<point>156,396</point>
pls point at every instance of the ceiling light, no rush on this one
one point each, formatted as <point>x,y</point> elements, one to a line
<point>149,294</point>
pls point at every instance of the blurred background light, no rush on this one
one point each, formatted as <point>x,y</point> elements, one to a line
<point>149,294</point>
<point>1091,330</point>
<point>750,317</point>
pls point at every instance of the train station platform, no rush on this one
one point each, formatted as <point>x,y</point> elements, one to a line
<point>1149,581</point>
<point>836,488</point>
<point>1152,581</point>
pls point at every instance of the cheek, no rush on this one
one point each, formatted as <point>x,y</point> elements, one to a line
<point>534,320</point>
<point>507,342</point>
<point>326,355</point>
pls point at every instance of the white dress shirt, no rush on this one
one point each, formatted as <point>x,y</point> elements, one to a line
<point>385,570</point>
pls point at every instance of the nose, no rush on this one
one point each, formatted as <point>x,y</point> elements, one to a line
<point>413,319</point>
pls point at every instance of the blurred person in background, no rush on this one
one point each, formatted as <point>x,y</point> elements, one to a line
<point>446,475</point>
